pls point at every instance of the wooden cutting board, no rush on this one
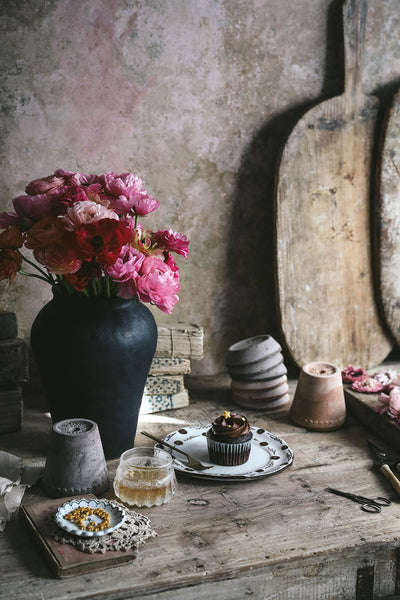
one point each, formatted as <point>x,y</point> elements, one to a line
<point>388,221</point>
<point>323,252</point>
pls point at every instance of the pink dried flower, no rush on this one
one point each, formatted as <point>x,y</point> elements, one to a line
<point>367,385</point>
<point>389,404</point>
<point>350,374</point>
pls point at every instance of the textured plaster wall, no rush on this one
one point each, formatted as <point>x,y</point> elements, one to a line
<point>197,97</point>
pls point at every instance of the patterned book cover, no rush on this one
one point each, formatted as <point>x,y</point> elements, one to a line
<point>158,403</point>
<point>169,366</point>
<point>157,385</point>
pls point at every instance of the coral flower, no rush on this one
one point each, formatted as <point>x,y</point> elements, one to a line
<point>11,238</point>
<point>57,258</point>
<point>49,230</point>
<point>102,240</point>
<point>10,262</point>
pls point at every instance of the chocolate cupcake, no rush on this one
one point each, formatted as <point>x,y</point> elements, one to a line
<point>229,440</point>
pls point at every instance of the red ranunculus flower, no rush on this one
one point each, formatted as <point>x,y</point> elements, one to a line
<point>80,279</point>
<point>102,240</point>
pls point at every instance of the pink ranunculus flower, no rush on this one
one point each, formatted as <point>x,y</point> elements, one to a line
<point>44,185</point>
<point>173,241</point>
<point>9,219</point>
<point>158,284</point>
<point>57,259</point>
<point>73,178</point>
<point>85,212</point>
<point>126,194</point>
<point>127,265</point>
<point>33,207</point>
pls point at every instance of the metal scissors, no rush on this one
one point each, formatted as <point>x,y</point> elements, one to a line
<point>372,505</point>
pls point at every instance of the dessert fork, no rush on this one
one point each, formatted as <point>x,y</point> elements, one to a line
<point>193,462</point>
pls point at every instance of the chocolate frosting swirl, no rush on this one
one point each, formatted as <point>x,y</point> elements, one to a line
<point>230,425</point>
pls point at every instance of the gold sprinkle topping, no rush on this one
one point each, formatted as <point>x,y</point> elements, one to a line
<point>226,414</point>
<point>81,516</point>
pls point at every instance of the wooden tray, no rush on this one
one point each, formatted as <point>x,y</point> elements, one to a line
<point>388,220</point>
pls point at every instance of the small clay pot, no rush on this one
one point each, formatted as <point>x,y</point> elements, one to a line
<point>260,366</point>
<point>75,463</point>
<point>265,405</point>
<point>267,375</point>
<point>251,350</point>
<point>254,386</point>
<point>262,394</point>
<point>318,402</point>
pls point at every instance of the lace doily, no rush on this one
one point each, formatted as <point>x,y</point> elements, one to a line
<point>135,530</point>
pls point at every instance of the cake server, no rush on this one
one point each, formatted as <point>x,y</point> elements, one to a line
<point>384,463</point>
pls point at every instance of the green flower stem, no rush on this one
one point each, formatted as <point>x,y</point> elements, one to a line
<point>94,287</point>
<point>65,285</point>
<point>49,278</point>
<point>108,288</point>
<point>33,275</point>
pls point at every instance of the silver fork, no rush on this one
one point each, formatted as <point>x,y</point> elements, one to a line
<point>193,462</point>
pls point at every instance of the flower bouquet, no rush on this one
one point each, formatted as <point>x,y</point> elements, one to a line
<point>87,241</point>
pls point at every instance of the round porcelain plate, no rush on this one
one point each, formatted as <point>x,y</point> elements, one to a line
<point>117,516</point>
<point>269,455</point>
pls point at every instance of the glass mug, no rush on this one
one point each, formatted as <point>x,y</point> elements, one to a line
<point>145,477</point>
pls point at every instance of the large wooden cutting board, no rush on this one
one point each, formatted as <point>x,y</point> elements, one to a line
<point>323,252</point>
<point>388,221</point>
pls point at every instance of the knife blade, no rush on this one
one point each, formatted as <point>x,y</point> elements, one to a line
<point>383,462</point>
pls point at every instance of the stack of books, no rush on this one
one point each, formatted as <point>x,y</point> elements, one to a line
<point>165,387</point>
<point>13,372</point>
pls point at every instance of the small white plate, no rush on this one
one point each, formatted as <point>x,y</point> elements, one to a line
<point>117,516</point>
<point>269,454</point>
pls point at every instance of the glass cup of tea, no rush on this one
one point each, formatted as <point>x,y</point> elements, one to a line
<point>145,477</point>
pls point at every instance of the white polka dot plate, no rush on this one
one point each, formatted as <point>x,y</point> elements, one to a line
<point>269,454</point>
<point>116,514</point>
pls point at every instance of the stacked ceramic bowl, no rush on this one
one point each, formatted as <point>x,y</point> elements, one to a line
<point>258,373</point>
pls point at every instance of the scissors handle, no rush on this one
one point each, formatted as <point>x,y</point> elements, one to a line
<point>381,501</point>
<point>371,508</point>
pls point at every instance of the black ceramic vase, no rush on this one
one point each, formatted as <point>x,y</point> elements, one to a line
<point>93,356</point>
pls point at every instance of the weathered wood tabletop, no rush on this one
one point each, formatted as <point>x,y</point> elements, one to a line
<point>280,537</point>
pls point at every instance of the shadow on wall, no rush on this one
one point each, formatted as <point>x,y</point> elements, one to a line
<point>252,296</point>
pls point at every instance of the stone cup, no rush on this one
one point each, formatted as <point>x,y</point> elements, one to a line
<point>75,463</point>
<point>318,402</point>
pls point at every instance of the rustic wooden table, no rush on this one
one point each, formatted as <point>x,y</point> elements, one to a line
<point>282,537</point>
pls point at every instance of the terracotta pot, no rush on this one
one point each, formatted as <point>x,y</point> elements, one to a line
<point>318,402</point>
